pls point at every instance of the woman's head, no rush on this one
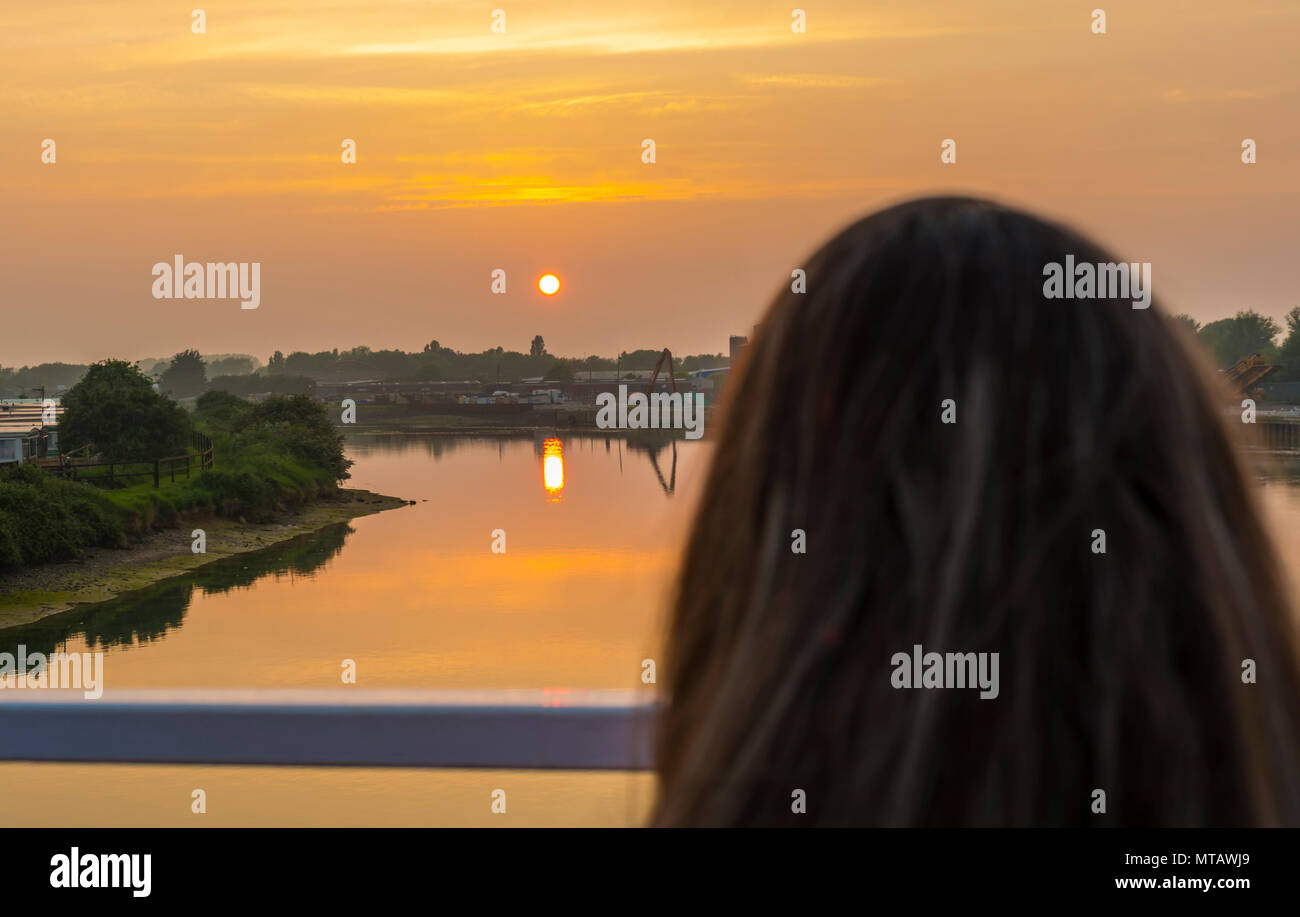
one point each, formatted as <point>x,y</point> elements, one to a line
<point>924,450</point>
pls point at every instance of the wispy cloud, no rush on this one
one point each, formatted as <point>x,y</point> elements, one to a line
<point>1221,95</point>
<point>816,80</point>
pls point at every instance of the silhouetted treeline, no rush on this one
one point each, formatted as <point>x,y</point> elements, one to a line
<point>26,382</point>
<point>1231,339</point>
<point>436,363</point>
<point>187,374</point>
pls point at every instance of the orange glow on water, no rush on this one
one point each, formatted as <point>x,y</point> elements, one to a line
<point>553,468</point>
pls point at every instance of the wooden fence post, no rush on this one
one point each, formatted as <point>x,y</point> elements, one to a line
<point>155,472</point>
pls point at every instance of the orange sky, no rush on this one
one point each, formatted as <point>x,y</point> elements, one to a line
<point>522,151</point>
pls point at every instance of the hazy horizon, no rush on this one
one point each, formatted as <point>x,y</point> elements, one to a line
<point>260,362</point>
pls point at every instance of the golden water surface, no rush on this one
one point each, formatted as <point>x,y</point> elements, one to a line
<point>418,599</point>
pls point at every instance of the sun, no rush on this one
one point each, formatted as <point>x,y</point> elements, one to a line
<point>549,284</point>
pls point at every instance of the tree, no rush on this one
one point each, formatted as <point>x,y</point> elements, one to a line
<point>276,363</point>
<point>560,371</point>
<point>539,347</point>
<point>1187,321</point>
<point>186,375</point>
<point>223,408</point>
<point>232,366</point>
<point>1230,339</point>
<point>1288,355</point>
<point>115,409</point>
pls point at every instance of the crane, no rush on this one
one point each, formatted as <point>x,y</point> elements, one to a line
<point>672,378</point>
<point>1247,373</point>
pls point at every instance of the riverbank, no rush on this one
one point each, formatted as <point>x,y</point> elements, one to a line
<point>32,593</point>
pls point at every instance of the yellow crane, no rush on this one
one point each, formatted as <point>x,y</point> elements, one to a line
<point>1247,373</point>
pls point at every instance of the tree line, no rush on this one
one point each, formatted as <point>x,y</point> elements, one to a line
<point>188,373</point>
<point>1231,339</point>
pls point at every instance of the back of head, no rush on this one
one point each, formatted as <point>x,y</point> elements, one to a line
<point>973,468</point>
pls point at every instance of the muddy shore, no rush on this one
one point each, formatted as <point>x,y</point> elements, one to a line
<point>33,593</point>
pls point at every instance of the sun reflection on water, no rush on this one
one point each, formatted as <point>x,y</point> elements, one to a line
<point>553,468</point>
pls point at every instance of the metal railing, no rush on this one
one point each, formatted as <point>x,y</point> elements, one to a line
<point>560,730</point>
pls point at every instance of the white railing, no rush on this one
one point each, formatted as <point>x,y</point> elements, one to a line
<point>570,730</point>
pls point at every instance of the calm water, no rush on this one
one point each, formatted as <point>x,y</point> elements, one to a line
<point>417,598</point>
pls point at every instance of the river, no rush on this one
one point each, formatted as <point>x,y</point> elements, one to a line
<point>417,598</point>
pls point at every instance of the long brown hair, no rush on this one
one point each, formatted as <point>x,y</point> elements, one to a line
<point>1121,671</point>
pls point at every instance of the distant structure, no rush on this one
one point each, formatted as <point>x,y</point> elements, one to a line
<point>1247,373</point>
<point>738,342</point>
<point>24,433</point>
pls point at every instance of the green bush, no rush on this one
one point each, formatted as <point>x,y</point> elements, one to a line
<point>222,409</point>
<point>239,491</point>
<point>45,519</point>
<point>10,555</point>
<point>291,425</point>
<point>282,451</point>
<point>560,371</point>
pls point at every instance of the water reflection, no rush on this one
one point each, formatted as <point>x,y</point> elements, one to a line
<point>418,598</point>
<point>553,468</point>
<point>659,448</point>
<point>433,445</point>
<point>146,615</point>
<point>652,450</point>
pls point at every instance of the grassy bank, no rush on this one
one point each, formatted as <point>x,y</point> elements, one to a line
<point>268,457</point>
<point>32,593</point>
